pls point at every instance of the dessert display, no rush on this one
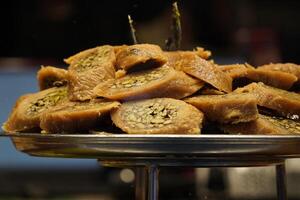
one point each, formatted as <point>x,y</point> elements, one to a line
<point>144,89</point>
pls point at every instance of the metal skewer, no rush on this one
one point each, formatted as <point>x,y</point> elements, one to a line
<point>132,30</point>
<point>176,36</point>
<point>176,26</point>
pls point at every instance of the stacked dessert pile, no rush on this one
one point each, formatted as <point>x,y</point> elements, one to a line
<point>140,89</point>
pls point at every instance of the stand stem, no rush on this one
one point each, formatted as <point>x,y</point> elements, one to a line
<point>141,183</point>
<point>146,183</point>
<point>153,182</point>
<point>281,182</point>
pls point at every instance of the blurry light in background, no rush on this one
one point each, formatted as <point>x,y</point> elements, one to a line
<point>127,175</point>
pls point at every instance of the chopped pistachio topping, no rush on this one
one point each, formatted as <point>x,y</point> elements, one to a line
<point>50,99</point>
<point>151,115</point>
<point>137,51</point>
<point>100,55</point>
<point>85,63</point>
<point>139,79</point>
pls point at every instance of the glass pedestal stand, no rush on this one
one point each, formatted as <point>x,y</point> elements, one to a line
<point>147,174</point>
<point>148,153</point>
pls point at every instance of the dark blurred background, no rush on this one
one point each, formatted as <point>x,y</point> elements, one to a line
<point>43,32</point>
<point>236,30</point>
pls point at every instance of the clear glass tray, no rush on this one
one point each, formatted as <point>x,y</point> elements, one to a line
<point>164,150</point>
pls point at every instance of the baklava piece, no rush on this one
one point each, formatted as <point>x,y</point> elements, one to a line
<point>76,116</point>
<point>158,116</point>
<point>88,69</point>
<point>158,82</point>
<point>264,125</point>
<point>49,76</point>
<point>228,108</point>
<point>28,109</point>
<point>283,102</point>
